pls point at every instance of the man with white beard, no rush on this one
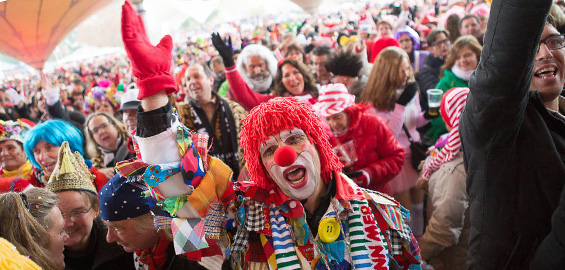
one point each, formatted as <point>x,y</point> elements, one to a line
<point>257,66</point>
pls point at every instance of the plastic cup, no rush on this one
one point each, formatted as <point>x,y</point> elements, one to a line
<point>434,100</point>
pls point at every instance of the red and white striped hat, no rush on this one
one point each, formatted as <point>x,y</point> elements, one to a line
<point>333,99</point>
<point>451,107</point>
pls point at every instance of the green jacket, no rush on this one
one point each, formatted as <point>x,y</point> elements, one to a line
<point>448,81</point>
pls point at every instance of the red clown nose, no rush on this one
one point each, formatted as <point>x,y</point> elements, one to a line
<point>284,156</point>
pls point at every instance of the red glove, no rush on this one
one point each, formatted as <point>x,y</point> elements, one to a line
<point>150,64</point>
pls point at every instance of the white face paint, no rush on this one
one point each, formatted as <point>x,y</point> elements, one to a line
<point>300,179</point>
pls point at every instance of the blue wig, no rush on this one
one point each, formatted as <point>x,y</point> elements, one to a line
<point>54,132</point>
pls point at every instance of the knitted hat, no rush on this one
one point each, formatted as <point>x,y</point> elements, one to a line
<point>14,130</point>
<point>10,258</point>
<point>333,99</point>
<point>70,173</point>
<point>380,45</point>
<point>451,107</point>
<point>122,199</point>
<point>452,104</point>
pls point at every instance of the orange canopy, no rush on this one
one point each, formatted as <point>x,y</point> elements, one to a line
<point>31,29</point>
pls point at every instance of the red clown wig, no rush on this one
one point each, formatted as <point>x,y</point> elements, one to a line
<point>274,116</point>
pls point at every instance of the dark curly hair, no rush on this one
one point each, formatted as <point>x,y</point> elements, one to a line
<point>345,63</point>
<point>309,81</point>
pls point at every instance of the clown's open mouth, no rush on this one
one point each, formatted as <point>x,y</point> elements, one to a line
<point>296,176</point>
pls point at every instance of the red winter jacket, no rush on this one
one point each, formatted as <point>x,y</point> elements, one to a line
<point>378,152</point>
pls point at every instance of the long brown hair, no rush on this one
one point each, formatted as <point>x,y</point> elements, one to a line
<point>461,42</point>
<point>309,82</point>
<point>29,234</point>
<point>385,78</point>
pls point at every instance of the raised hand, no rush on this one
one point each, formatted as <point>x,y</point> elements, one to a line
<point>225,51</point>
<point>150,64</point>
<point>49,90</point>
<point>408,94</point>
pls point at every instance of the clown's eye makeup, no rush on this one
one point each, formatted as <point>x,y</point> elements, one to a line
<point>293,135</point>
<point>294,139</point>
<point>268,147</point>
<point>268,151</point>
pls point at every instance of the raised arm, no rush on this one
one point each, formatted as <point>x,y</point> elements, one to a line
<point>163,143</point>
<point>240,90</point>
<point>500,84</point>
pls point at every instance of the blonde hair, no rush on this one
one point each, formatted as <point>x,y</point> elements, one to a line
<point>385,78</point>
<point>92,146</point>
<point>27,232</point>
<point>461,42</point>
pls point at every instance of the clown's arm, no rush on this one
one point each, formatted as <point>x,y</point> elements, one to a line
<point>158,127</point>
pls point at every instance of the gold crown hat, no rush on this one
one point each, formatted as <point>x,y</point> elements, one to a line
<point>70,173</point>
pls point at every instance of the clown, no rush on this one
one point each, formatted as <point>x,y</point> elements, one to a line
<point>299,211</point>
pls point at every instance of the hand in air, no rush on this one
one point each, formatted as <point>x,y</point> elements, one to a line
<point>225,50</point>
<point>150,64</point>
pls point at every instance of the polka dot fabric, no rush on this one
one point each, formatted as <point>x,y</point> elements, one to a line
<point>121,199</point>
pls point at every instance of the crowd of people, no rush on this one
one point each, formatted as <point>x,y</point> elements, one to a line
<point>309,144</point>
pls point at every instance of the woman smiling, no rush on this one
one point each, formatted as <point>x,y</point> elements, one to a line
<point>13,160</point>
<point>87,247</point>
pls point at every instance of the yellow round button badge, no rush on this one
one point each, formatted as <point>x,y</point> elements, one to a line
<point>329,230</point>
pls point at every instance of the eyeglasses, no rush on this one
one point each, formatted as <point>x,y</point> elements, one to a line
<point>553,42</point>
<point>98,128</point>
<point>442,42</point>
<point>76,214</point>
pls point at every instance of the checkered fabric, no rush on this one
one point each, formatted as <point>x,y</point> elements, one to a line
<point>255,251</point>
<point>215,220</point>
<point>162,223</point>
<point>254,219</point>
<point>405,232</point>
<point>188,235</point>
<point>395,242</point>
<point>239,241</point>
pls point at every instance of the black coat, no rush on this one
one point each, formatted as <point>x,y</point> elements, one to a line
<point>428,78</point>
<point>514,147</point>
<point>123,153</point>
<point>551,252</point>
<point>100,255</point>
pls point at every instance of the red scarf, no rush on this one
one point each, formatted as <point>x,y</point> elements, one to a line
<point>155,257</point>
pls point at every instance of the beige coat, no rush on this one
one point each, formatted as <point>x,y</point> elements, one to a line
<point>444,243</point>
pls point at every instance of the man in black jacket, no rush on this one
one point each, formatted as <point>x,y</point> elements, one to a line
<point>429,74</point>
<point>512,132</point>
